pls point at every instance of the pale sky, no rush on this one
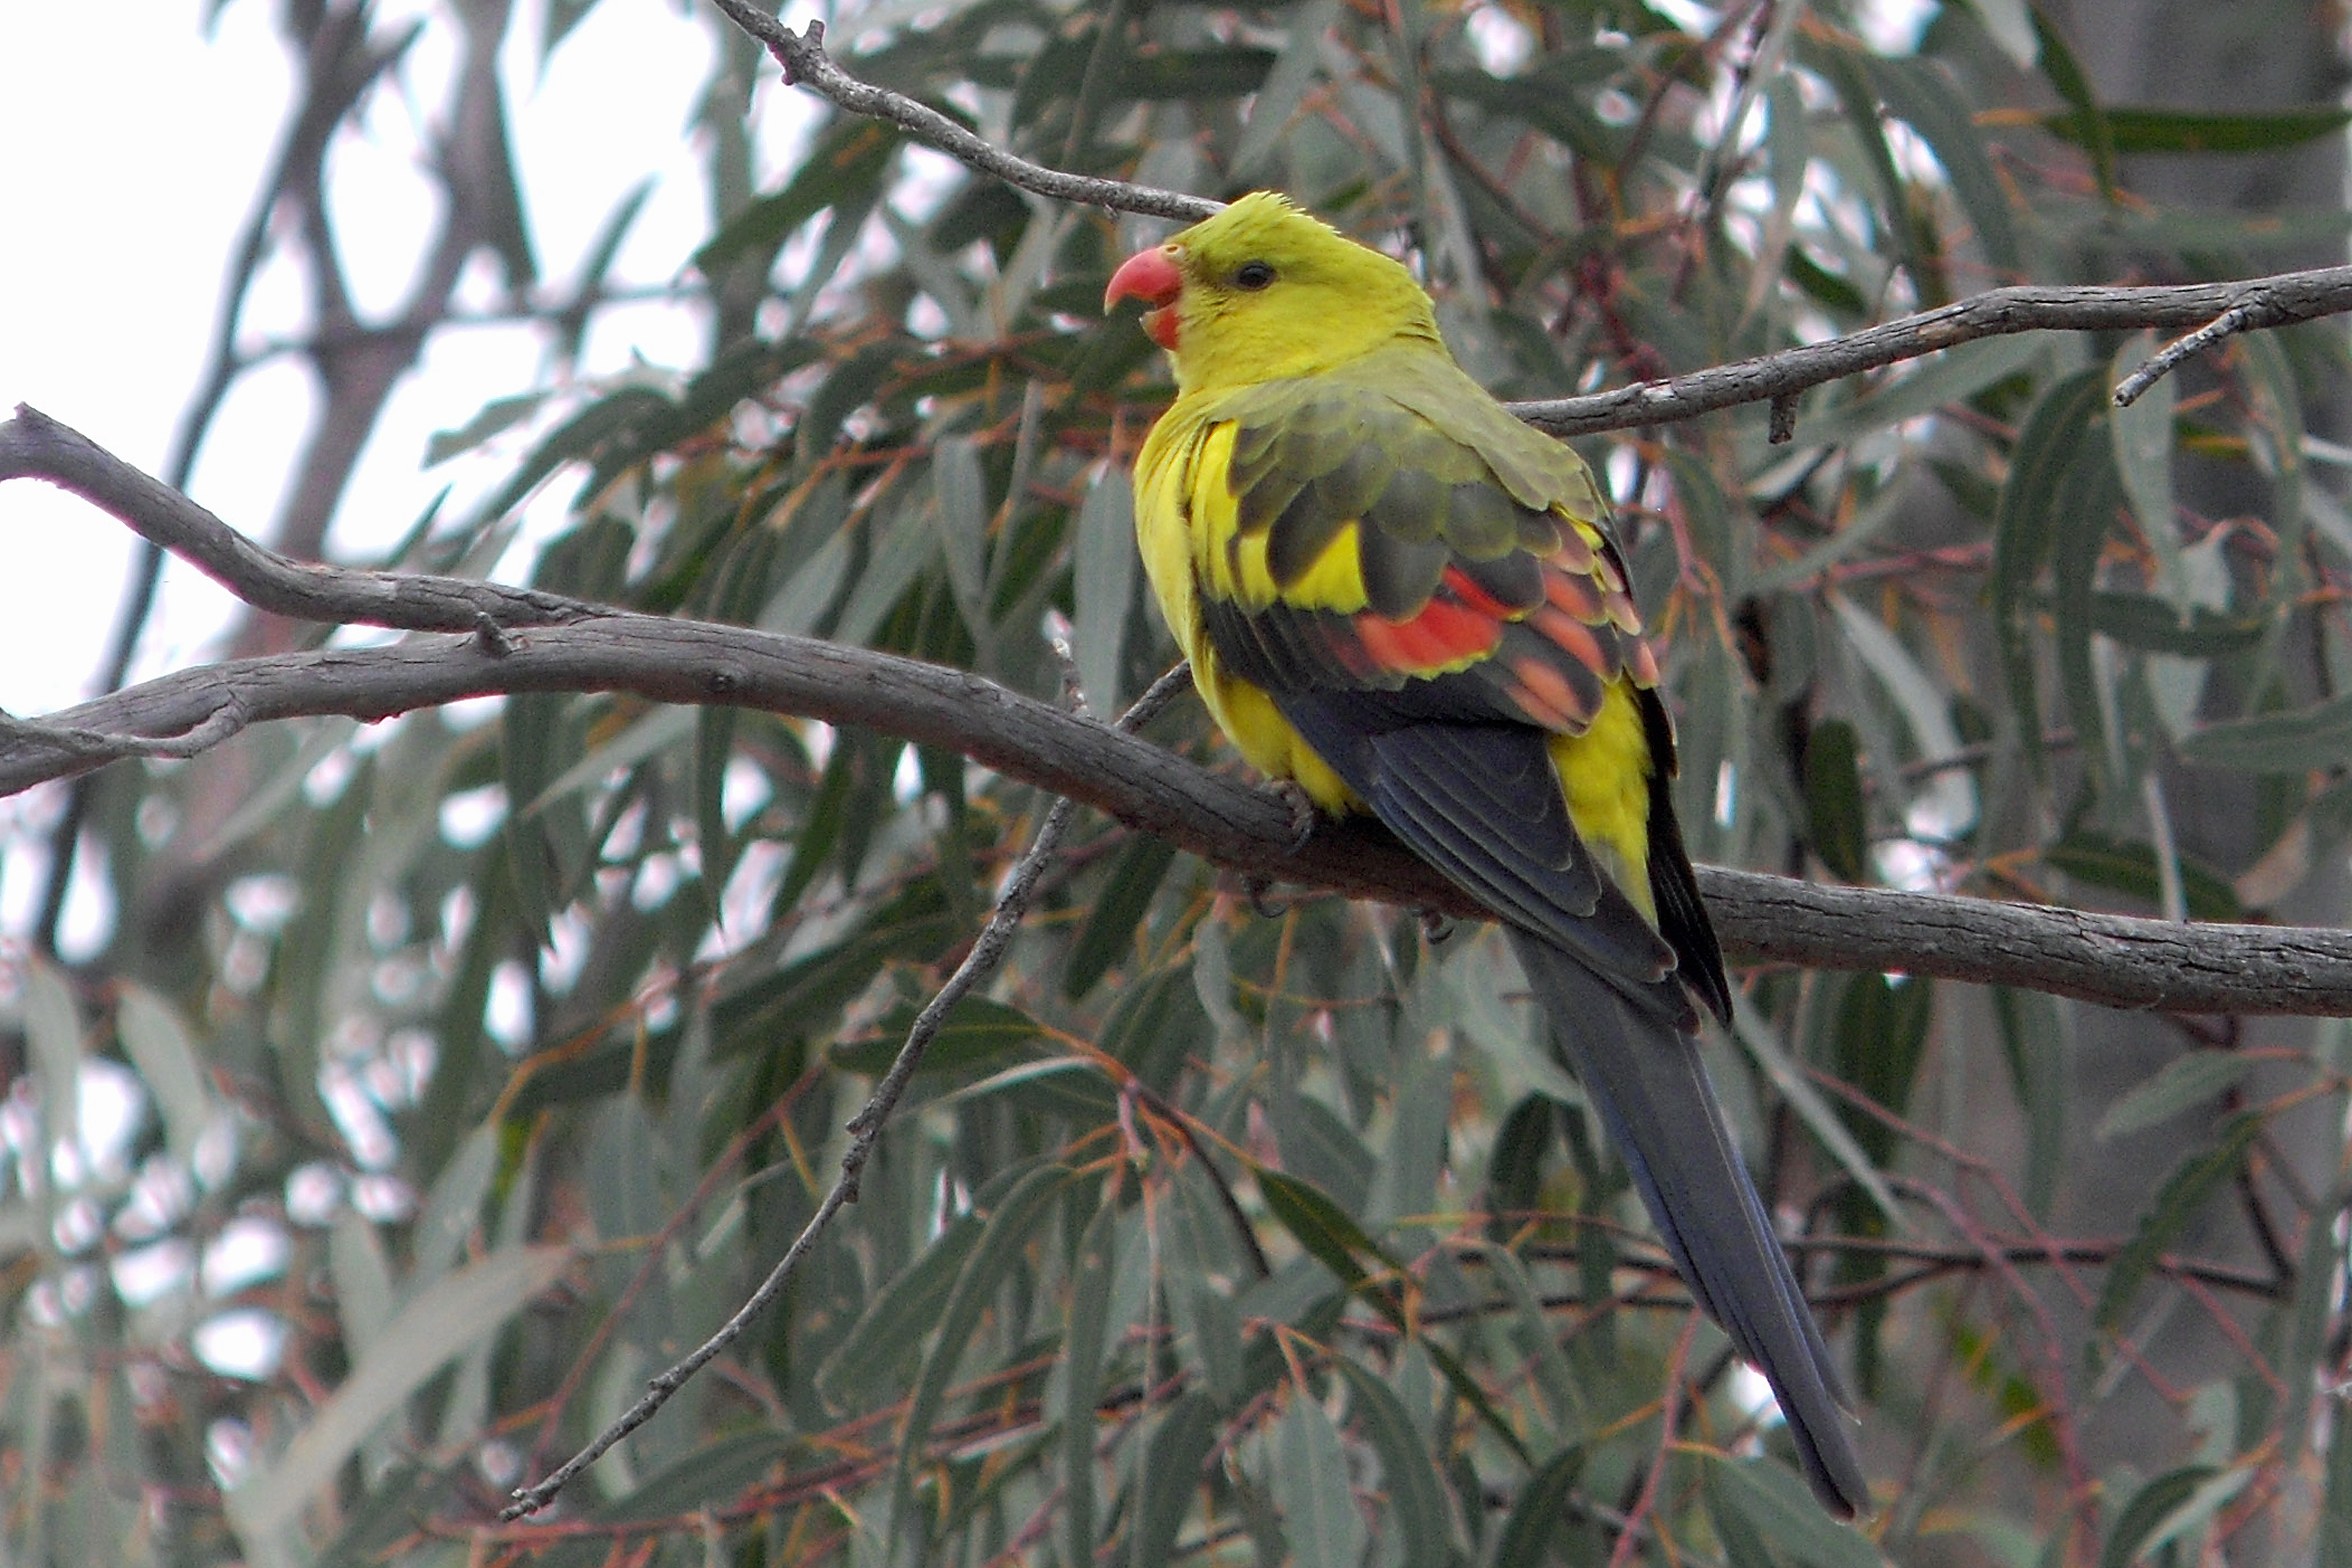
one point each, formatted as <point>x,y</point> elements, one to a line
<point>135,156</point>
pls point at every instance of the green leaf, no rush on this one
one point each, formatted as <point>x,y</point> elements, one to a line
<point>2143,432</point>
<point>1192,76</point>
<point>1336,1241</point>
<point>1296,68</point>
<point>802,997</point>
<point>1775,1506</point>
<point>1085,1330</point>
<point>963,494</point>
<point>845,166</point>
<point>498,414</point>
<point>1833,803</point>
<point>1169,1478</point>
<point>1953,376</point>
<point>1926,705</point>
<point>2034,1040</point>
<point>2066,73</point>
<point>1820,1117</point>
<point>439,1324</point>
<point>1108,935</point>
<point>52,1026</point>
<point>714,748</point>
<point>1002,1244</point>
<point>851,384</point>
<point>2136,129</point>
<point>2144,621</point>
<point>1156,1023</point>
<point>2191,1186</point>
<point>2334,1533</point>
<point>2128,865</point>
<point>2309,1322</point>
<point>1416,1493</point>
<point>2196,1079</point>
<point>1533,1334</point>
<point>2030,519</point>
<point>1534,1521</point>
<point>1102,592</point>
<point>2145,1515</point>
<point>1310,1487</point>
<point>1542,99</point>
<point>706,1476</point>
<point>1319,1148</point>
<point>1515,1168</point>
<point>158,1044</point>
<point>1917,91</point>
<point>2088,498</point>
<point>977,1034</point>
<point>577,440</point>
<point>2303,742</point>
<point>1904,241</point>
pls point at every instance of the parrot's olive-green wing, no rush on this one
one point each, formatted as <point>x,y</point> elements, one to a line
<point>1426,589</point>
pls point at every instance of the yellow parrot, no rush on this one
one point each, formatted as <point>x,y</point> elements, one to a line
<point>1408,603</point>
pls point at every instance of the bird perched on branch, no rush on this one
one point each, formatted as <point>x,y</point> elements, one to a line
<point>1406,601</point>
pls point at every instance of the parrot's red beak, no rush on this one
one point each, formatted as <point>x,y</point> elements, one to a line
<point>1152,277</point>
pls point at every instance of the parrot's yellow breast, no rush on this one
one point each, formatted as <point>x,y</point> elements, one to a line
<point>1184,515</point>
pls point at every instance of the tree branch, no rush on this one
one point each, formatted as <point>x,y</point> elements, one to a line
<point>2113,959</point>
<point>520,640</point>
<point>2280,301</point>
<point>34,446</point>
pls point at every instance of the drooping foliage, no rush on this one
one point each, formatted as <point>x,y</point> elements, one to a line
<point>1233,1225</point>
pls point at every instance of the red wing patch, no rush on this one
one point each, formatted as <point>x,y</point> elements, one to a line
<point>1515,636</point>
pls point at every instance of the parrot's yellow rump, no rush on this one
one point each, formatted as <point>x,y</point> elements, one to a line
<point>1409,602</point>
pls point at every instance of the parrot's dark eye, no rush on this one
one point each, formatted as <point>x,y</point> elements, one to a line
<point>1253,275</point>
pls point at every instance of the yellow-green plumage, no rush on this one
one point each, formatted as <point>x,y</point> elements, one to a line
<point>1401,598</point>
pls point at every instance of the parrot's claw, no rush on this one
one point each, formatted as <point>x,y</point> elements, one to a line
<point>1436,925</point>
<point>1255,889</point>
<point>1303,813</point>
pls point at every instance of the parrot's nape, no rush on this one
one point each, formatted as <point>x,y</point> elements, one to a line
<point>1398,595</point>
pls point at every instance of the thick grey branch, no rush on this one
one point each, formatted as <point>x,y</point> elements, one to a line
<point>2110,959</point>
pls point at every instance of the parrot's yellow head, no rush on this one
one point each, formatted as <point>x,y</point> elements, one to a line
<point>1263,291</point>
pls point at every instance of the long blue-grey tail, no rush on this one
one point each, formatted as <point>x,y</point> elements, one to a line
<point>1643,1074</point>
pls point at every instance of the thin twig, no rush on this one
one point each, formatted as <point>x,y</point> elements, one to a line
<point>2275,301</point>
<point>865,1128</point>
<point>807,65</point>
<point>2258,306</point>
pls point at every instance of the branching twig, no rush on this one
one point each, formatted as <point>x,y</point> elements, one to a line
<point>2254,305</point>
<point>807,65</point>
<point>1776,377</point>
<point>865,1128</point>
<point>34,446</point>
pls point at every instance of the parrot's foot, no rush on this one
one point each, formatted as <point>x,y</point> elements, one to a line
<point>1436,925</point>
<point>1257,890</point>
<point>1303,813</point>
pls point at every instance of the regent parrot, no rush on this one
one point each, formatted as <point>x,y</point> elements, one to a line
<point>1407,602</point>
